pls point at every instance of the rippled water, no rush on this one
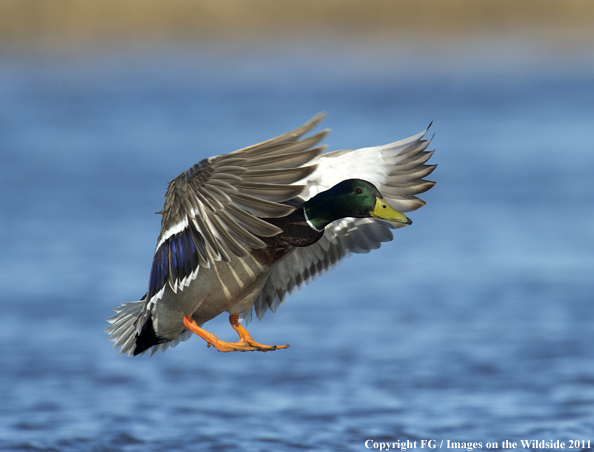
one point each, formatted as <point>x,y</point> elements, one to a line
<point>475,324</point>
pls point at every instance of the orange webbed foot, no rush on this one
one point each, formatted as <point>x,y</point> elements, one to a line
<point>245,343</point>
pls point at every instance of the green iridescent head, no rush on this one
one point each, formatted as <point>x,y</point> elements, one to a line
<point>350,198</point>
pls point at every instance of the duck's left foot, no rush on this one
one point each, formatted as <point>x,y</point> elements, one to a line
<point>244,336</point>
<point>245,343</point>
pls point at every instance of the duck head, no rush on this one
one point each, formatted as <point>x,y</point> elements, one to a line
<point>355,198</point>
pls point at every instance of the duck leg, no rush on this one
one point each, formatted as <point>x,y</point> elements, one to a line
<point>245,343</point>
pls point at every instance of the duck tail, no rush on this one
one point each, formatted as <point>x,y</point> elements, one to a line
<point>125,331</point>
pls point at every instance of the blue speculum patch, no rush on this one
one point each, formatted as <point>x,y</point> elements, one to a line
<point>175,259</point>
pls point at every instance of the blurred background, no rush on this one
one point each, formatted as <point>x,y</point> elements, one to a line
<point>475,324</point>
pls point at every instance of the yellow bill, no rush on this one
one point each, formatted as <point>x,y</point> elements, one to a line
<point>384,211</point>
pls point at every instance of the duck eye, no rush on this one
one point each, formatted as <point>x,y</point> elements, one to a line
<point>358,191</point>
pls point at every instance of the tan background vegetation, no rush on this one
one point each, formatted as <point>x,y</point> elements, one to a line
<point>75,22</point>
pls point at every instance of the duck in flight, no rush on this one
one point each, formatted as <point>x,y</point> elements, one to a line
<point>240,231</point>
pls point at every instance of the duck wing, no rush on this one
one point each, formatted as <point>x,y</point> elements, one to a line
<point>396,169</point>
<point>212,211</point>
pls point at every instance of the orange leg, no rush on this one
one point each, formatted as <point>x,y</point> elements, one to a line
<point>245,343</point>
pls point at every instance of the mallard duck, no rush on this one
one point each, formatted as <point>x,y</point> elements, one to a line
<point>240,231</point>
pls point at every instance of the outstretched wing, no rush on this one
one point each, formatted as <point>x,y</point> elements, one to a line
<point>396,169</point>
<point>212,211</point>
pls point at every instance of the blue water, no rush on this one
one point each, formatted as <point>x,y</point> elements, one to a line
<point>475,324</point>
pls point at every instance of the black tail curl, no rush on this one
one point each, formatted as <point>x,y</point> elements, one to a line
<point>147,338</point>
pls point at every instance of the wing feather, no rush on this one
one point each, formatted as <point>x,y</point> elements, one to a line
<point>285,160</point>
<point>270,192</point>
<point>288,137</point>
<point>279,176</point>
